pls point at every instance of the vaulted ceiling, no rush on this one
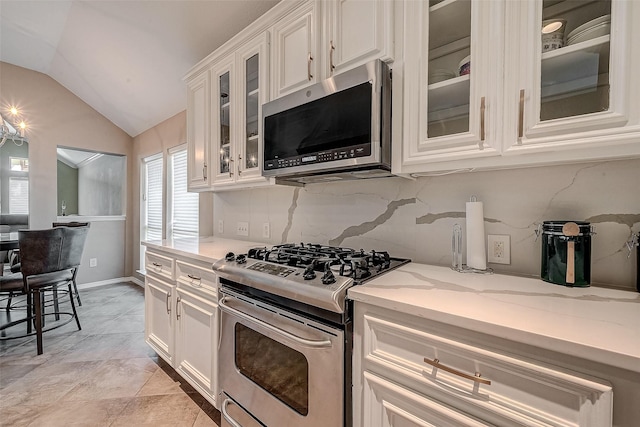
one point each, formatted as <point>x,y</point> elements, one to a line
<point>125,58</point>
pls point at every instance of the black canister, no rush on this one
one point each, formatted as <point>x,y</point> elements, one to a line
<point>557,244</point>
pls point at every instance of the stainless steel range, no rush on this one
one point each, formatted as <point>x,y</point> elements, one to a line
<point>286,333</point>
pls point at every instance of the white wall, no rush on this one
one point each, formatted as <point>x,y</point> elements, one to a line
<point>102,186</point>
<point>159,139</point>
<point>57,117</point>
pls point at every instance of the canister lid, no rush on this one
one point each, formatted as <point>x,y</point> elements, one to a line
<point>556,227</point>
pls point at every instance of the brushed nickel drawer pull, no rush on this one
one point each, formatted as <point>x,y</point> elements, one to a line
<point>168,305</point>
<point>332,48</point>
<point>309,59</point>
<point>155,264</point>
<point>475,378</point>
<point>482,109</point>
<point>521,115</point>
<point>177,311</point>
<point>194,277</point>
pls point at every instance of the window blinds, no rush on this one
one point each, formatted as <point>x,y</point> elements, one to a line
<point>153,199</point>
<point>184,205</point>
<point>18,195</point>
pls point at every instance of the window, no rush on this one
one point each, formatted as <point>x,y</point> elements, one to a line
<point>18,195</point>
<point>19,164</point>
<point>151,203</point>
<point>182,206</point>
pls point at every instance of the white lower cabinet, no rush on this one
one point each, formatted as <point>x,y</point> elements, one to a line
<point>181,319</point>
<point>409,371</point>
<point>159,320</point>
<point>196,340</point>
<point>388,404</point>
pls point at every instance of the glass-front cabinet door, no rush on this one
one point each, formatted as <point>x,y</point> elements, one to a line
<point>240,88</point>
<point>253,88</point>
<point>450,52</point>
<point>569,62</point>
<point>222,129</point>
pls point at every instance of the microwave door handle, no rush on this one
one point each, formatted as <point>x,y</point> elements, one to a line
<point>275,329</point>
<point>226,415</point>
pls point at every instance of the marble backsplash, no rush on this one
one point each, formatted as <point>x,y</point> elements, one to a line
<point>414,218</point>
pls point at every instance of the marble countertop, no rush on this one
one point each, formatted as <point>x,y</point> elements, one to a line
<point>205,249</point>
<point>594,323</point>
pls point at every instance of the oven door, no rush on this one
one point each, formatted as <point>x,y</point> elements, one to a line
<point>285,370</point>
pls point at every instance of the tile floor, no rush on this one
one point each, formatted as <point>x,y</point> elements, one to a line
<point>103,375</point>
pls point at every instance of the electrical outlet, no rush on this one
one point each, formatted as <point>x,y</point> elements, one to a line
<point>242,228</point>
<point>93,262</point>
<point>266,230</point>
<point>220,226</point>
<point>499,248</point>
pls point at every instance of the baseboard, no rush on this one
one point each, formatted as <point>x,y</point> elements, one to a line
<point>111,282</point>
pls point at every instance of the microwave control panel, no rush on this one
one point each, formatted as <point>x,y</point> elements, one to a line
<point>362,150</point>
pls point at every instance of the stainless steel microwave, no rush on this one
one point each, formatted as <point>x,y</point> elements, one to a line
<point>337,129</point>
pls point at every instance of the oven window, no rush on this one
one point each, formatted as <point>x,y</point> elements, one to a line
<point>280,370</point>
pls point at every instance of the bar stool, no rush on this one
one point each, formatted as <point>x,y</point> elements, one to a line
<point>73,224</point>
<point>49,259</point>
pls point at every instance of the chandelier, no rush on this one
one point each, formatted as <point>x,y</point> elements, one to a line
<point>14,130</point>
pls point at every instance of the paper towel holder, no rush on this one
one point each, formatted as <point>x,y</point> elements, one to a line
<point>456,249</point>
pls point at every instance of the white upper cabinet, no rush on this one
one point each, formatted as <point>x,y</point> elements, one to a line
<point>198,107</point>
<point>323,38</point>
<point>451,102</point>
<point>252,61</point>
<point>295,61</point>
<point>240,87</point>
<point>581,93</point>
<point>523,102</point>
<point>295,44</point>
<point>223,126</point>
<point>357,31</point>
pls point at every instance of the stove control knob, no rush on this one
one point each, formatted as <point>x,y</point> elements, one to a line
<point>309,274</point>
<point>328,278</point>
<point>241,259</point>
<point>230,256</point>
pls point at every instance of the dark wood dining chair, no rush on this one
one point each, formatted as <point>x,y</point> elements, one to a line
<point>50,259</point>
<point>73,224</point>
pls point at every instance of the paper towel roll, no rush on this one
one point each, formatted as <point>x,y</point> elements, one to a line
<point>476,248</point>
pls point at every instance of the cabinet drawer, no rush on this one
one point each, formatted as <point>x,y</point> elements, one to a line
<point>499,388</point>
<point>388,404</point>
<point>194,277</point>
<point>160,265</point>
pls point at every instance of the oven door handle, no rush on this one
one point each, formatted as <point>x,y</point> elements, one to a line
<point>226,415</point>
<point>275,329</point>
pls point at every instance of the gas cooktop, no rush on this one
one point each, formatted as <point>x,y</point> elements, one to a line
<point>316,274</point>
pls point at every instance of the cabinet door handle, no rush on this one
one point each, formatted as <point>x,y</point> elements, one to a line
<point>475,378</point>
<point>332,48</point>
<point>482,110</point>
<point>204,171</point>
<point>195,278</point>
<point>168,305</point>
<point>177,311</point>
<point>521,115</point>
<point>309,59</point>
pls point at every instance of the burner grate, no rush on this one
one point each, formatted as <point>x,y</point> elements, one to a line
<point>328,260</point>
